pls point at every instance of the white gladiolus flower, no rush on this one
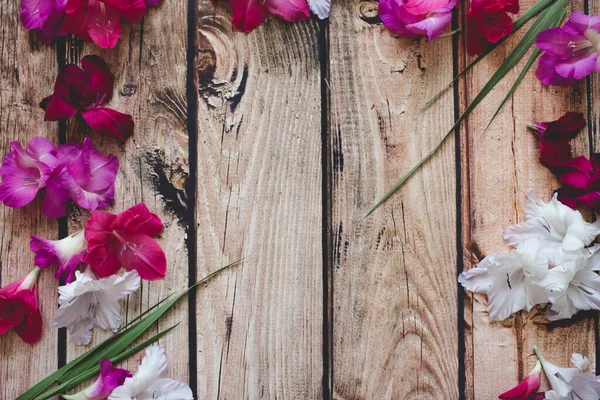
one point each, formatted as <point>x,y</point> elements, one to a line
<point>150,381</point>
<point>562,231</point>
<point>570,383</point>
<point>510,280</point>
<point>90,301</point>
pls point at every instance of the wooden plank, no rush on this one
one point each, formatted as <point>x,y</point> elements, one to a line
<point>27,70</point>
<point>149,64</point>
<point>497,169</point>
<point>394,276</point>
<point>259,198</point>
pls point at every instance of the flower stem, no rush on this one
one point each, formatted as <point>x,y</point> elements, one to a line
<point>30,279</point>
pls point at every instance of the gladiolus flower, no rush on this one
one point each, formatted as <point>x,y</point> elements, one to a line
<point>44,16</point>
<point>150,381</point>
<point>85,176</point>
<point>65,253</point>
<point>413,18</point>
<point>89,301</point>
<point>19,308</point>
<point>488,22</point>
<point>125,240</point>
<point>24,172</point>
<point>572,51</point>
<point>250,14</point>
<point>109,379</point>
<point>527,388</point>
<point>83,91</point>
<point>100,20</point>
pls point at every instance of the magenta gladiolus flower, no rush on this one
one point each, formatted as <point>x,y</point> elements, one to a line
<point>527,388</point>
<point>83,91</point>
<point>65,253</point>
<point>19,308</point>
<point>70,171</point>
<point>250,14</point>
<point>85,176</point>
<point>571,52</point>
<point>100,20</point>
<point>45,16</point>
<point>125,240</point>
<point>24,172</point>
<point>415,18</point>
<point>488,22</point>
<point>109,379</point>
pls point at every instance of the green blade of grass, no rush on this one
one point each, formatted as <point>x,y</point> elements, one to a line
<point>518,24</point>
<point>113,346</point>
<point>549,18</point>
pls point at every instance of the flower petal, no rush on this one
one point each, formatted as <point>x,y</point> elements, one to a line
<point>289,10</point>
<point>139,219</point>
<point>101,80</point>
<point>137,251</point>
<point>109,123</point>
<point>247,15</point>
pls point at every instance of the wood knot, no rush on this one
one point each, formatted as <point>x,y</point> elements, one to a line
<point>128,89</point>
<point>368,11</point>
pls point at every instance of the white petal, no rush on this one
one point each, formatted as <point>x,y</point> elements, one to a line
<point>81,332</point>
<point>108,313</point>
<point>579,361</point>
<point>151,370</point>
<point>558,377</point>
<point>320,8</point>
<point>118,287</point>
<point>585,386</point>
<point>584,290</point>
<point>167,389</point>
<point>558,278</point>
<point>551,395</point>
<point>80,307</point>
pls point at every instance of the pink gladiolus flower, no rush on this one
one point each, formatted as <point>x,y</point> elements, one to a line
<point>85,176</point>
<point>24,172</point>
<point>44,16</point>
<point>65,253</point>
<point>250,14</point>
<point>83,91</point>
<point>527,388</point>
<point>19,308</point>
<point>109,379</point>
<point>571,52</point>
<point>488,22</point>
<point>125,240</point>
<point>413,18</point>
<point>100,20</point>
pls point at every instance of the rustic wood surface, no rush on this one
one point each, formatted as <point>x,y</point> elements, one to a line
<point>270,148</point>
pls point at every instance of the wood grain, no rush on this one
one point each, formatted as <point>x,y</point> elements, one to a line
<point>497,168</point>
<point>25,66</point>
<point>259,198</point>
<point>394,274</point>
<point>149,64</point>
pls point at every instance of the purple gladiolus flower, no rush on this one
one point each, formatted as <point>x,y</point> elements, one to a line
<point>44,16</point>
<point>572,51</point>
<point>65,253</point>
<point>70,171</point>
<point>109,379</point>
<point>414,18</point>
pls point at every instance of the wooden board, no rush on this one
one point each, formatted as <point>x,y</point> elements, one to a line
<point>150,67</point>
<point>395,329</point>
<point>497,169</point>
<point>25,66</point>
<point>259,198</point>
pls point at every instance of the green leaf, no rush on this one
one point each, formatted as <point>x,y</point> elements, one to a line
<point>112,347</point>
<point>549,18</point>
<point>518,24</point>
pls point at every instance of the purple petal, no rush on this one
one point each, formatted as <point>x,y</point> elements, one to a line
<point>546,72</point>
<point>34,13</point>
<point>65,253</point>
<point>433,26</point>
<point>577,67</point>
<point>558,42</point>
<point>579,23</point>
<point>19,190</point>
<point>109,123</point>
<point>55,202</point>
<point>394,16</point>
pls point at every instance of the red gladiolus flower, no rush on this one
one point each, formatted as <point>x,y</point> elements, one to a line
<point>19,308</point>
<point>488,22</point>
<point>84,90</point>
<point>100,20</point>
<point>125,240</point>
<point>527,388</point>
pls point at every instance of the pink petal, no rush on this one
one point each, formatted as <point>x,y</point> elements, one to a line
<point>131,10</point>
<point>558,42</point>
<point>105,25</point>
<point>247,15</point>
<point>580,22</point>
<point>34,13</point>
<point>577,67</point>
<point>55,201</point>
<point>433,26</point>
<point>49,253</point>
<point>19,190</point>
<point>289,10</point>
<point>547,74</point>
<point>43,150</point>
<point>394,16</point>
<point>495,26</point>
<point>101,80</point>
<point>99,228</point>
<point>109,123</point>
<point>108,380</point>
<point>102,260</point>
<point>139,219</point>
<point>137,251</point>
<point>57,108</point>
<point>417,7</point>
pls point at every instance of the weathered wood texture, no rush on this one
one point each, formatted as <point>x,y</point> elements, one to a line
<point>259,198</point>
<point>150,67</point>
<point>394,274</point>
<point>497,168</point>
<point>25,66</point>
